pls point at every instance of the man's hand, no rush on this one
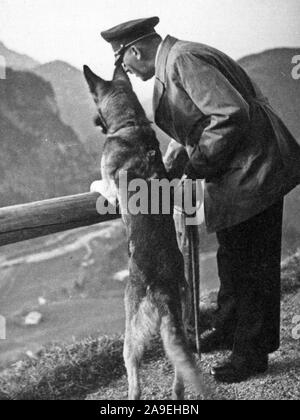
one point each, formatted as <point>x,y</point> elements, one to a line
<point>189,194</point>
<point>189,200</point>
<point>175,160</point>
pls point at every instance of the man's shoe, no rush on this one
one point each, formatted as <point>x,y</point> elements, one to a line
<point>236,372</point>
<point>216,341</point>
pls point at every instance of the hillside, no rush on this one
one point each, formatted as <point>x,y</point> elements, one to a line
<point>69,278</point>
<point>93,369</point>
<point>76,272</point>
<point>42,157</point>
<point>15,60</point>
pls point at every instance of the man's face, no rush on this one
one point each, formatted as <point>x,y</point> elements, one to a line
<point>135,63</point>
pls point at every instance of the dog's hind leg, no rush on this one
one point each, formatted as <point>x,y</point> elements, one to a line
<point>133,353</point>
<point>178,386</point>
<point>176,347</point>
<point>139,331</point>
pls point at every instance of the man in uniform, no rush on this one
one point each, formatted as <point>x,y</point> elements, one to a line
<point>249,161</point>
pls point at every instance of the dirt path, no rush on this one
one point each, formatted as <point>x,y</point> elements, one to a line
<point>56,251</point>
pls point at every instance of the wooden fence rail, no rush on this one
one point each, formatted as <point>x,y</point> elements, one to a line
<point>22,222</point>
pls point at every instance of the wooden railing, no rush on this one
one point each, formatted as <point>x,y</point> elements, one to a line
<point>22,222</point>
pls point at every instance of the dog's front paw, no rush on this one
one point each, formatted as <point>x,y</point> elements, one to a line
<point>102,188</point>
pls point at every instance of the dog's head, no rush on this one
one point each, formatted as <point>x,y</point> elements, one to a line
<point>117,104</point>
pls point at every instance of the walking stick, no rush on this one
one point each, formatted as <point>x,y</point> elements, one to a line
<point>189,243</point>
<point>194,281</point>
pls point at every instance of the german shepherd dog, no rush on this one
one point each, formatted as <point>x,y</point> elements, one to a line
<point>157,281</point>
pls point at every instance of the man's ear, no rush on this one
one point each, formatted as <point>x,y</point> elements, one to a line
<point>120,74</point>
<point>136,52</point>
<point>95,82</point>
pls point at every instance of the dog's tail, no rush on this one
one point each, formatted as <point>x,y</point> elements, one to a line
<point>177,350</point>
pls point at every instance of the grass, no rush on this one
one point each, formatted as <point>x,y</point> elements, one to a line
<point>94,369</point>
<point>291,274</point>
<point>65,372</point>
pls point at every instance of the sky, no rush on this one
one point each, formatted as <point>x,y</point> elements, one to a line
<point>69,30</point>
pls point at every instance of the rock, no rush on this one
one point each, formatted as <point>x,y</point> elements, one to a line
<point>33,318</point>
<point>121,275</point>
<point>42,301</point>
<point>31,355</point>
<point>87,263</point>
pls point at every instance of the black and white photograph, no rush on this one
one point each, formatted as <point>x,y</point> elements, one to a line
<point>149,202</point>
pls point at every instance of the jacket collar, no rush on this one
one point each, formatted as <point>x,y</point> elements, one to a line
<point>160,71</point>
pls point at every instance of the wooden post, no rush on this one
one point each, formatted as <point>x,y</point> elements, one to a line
<point>27,221</point>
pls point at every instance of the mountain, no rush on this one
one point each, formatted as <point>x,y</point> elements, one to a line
<point>72,95</point>
<point>42,157</point>
<point>272,71</point>
<point>15,60</point>
<point>73,98</point>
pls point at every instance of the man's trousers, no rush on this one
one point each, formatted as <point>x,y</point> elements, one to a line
<point>249,260</point>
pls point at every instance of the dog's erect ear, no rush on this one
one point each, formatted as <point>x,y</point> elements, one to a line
<point>120,74</point>
<point>94,81</point>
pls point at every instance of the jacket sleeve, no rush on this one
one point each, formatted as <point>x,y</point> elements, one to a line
<point>224,110</point>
